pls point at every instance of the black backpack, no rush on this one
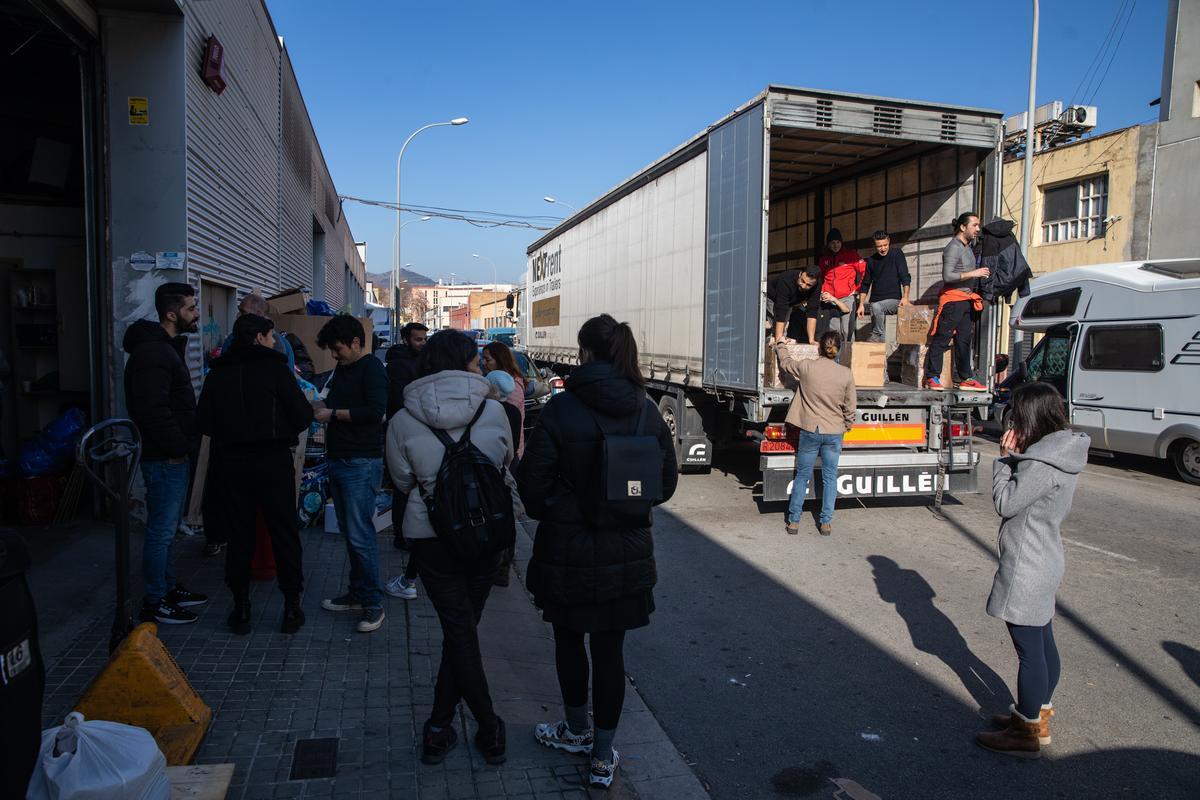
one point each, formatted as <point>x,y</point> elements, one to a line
<point>630,469</point>
<point>471,508</point>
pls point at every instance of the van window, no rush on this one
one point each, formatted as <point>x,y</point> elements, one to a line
<point>1055,304</point>
<point>1048,362</point>
<point>1120,348</point>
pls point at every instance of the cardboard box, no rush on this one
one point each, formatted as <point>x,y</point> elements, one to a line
<point>307,329</point>
<point>775,378</point>
<point>913,323</point>
<point>291,301</point>
<point>867,361</point>
<point>865,327</point>
<point>912,370</point>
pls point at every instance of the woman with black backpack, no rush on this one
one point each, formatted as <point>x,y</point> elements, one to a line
<point>444,405</point>
<point>598,458</point>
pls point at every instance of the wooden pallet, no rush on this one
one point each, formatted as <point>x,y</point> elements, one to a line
<point>200,782</point>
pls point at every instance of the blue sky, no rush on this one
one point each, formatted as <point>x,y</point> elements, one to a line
<point>568,99</point>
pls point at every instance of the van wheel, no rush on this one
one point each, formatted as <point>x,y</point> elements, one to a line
<point>1185,455</point>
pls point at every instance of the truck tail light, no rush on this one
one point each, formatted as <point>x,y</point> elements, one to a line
<point>776,440</point>
<point>957,430</point>
<point>775,431</point>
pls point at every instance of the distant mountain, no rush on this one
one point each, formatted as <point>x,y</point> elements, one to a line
<point>413,278</point>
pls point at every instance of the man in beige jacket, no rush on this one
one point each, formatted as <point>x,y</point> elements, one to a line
<point>823,410</point>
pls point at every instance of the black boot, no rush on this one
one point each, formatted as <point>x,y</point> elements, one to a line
<point>239,618</point>
<point>293,616</point>
<point>491,743</point>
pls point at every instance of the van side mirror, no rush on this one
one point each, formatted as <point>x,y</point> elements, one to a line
<point>509,302</point>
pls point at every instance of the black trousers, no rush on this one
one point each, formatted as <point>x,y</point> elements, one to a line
<point>954,323</point>
<point>458,591</point>
<point>213,508</point>
<point>261,482</point>
<point>608,672</point>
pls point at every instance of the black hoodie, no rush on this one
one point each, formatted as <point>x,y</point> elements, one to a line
<point>158,391</point>
<point>1000,252</point>
<point>582,556</point>
<point>401,371</point>
<point>251,402</point>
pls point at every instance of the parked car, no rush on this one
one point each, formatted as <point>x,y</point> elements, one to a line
<point>1121,342</point>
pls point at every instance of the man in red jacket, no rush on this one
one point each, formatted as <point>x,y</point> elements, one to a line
<point>842,271</point>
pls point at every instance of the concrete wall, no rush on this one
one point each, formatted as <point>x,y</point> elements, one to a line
<point>1173,231</point>
<point>1114,154</point>
<point>147,166</point>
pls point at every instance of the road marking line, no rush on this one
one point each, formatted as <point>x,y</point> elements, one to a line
<point>1098,550</point>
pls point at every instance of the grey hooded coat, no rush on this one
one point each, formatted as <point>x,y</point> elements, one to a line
<point>1032,492</point>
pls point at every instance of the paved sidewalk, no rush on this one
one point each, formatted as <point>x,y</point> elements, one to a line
<point>372,692</point>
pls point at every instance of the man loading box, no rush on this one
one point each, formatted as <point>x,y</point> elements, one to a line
<point>886,282</point>
<point>794,304</point>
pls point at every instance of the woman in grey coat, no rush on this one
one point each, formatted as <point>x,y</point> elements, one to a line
<point>1033,482</point>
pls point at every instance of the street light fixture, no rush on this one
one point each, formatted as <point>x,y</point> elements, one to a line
<point>396,254</point>
<point>556,201</point>
<point>493,263</point>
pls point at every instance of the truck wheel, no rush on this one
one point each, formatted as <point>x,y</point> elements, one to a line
<point>666,407</point>
<point>1185,455</point>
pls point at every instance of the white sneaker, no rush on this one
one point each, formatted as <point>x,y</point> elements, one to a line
<point>400,587</point>
<point>603,772</point>
<point>558,736</point>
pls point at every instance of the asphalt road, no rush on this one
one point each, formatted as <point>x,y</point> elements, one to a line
<point>779,664</point>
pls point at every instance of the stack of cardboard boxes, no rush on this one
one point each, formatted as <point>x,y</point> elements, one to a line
<point>289,311</point>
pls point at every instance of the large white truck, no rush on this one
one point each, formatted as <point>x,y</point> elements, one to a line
<point>685,251</point>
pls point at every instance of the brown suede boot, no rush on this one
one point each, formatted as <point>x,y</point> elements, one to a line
<point>1002,720</point>
<point>1019,739</point>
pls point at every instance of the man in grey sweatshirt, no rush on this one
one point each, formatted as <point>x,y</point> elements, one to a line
<point>954,321</point>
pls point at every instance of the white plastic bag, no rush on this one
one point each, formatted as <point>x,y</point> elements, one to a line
<point>98,760</point>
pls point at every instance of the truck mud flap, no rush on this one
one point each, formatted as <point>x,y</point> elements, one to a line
<point>871,482</point>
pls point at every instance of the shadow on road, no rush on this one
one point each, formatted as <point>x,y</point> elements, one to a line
<point>934,633</point>
<point>1188,658</point>
<point>1121,656</point>
<point>773,692</point>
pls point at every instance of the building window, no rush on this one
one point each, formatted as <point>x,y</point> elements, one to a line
<point>1132,348</point>
<point>1075,210</point>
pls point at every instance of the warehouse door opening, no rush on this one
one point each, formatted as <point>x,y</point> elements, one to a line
<point>46,315</point>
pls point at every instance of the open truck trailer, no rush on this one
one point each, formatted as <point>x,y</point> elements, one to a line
<point>685,250</point>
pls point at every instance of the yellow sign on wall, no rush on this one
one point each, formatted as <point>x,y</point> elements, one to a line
<point>139,111</point>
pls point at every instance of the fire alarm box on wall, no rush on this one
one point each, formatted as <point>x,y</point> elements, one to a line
<point>213,69</point>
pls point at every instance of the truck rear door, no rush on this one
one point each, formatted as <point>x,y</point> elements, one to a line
<point>733,318</point>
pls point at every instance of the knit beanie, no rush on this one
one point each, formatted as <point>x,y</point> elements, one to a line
<point>834,236</point>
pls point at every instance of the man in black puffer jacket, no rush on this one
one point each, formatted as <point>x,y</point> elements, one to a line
<point>253,409</point>
<point>162,403</point>
<point>592,571</point>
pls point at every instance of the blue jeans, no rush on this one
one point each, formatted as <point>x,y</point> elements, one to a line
<point>829,445</point>
<point>353,484</point>
<point>166,491</point>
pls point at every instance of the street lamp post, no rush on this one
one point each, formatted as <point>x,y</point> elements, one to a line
<point>556,201</point>
<point>396,268</point>
<point>396,254</point>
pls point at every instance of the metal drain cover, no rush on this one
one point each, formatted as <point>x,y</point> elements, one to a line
<point>314,758</point>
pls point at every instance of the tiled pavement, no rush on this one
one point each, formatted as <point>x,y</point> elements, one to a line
<point>372,692</point>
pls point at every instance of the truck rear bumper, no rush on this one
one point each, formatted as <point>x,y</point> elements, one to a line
<point>873,475</point>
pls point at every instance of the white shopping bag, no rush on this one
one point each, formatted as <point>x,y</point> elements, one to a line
<point>98,760</point>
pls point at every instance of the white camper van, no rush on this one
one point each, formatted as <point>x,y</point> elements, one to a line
<point>1122,344</point>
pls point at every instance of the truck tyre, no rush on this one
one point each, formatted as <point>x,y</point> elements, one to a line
<point>666,407</point>
<point>1185,455</point>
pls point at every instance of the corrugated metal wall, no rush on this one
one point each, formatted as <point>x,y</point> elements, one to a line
<point>233,146</point>
<point>295,178</point>
<point>257,180</point>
